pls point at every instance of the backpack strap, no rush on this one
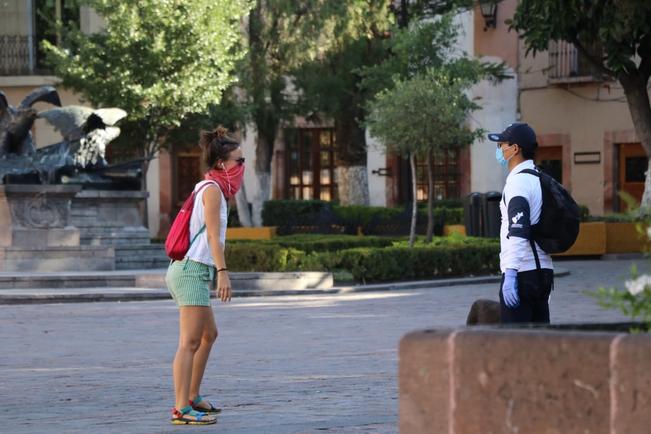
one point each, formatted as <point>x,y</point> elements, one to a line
<point>203,228</point>
<point>531,241</point>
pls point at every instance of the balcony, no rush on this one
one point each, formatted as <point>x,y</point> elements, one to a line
<point>568,65</point>
<point>19,55</point>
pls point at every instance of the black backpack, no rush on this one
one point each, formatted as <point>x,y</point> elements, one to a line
<point>558,227</point>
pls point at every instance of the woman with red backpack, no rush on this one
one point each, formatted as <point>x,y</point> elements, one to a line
<point>197,268</point>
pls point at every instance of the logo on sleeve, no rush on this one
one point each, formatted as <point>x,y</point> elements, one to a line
<point>517,217</point>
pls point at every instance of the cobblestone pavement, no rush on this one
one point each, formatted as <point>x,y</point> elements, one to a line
<point>294,364</point>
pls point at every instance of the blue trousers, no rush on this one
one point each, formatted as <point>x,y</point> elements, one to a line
<point>534,288</point>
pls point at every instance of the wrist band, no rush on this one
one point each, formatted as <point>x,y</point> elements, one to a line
<point>222,269</point>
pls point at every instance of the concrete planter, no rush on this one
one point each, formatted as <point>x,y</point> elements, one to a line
<point>471,381</point>
<point>624,238</point>
<point>454,229</point>
<point>590,242</point>
<point>258,233</point>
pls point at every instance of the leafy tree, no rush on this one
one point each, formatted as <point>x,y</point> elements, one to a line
<point>283,36</point>
<point>421,116</point>
<point>420,47</point>
<point>331,87</point>
<point>615,37</point>
<point>158,60</point>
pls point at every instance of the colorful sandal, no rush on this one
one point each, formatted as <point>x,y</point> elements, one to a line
<point>211,410</point>
<point>180,417</point>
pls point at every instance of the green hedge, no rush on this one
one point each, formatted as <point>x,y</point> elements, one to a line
<point>280,212</point>
<point>261,257</point>
<point>322,243</point>
<point>403,263</point>
<point>373,264</point>
<point>306,212</point>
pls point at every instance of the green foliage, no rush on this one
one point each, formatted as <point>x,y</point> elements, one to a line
<point>638,307</point>
<point>279,212</point>
<point>309,243</point>
<point>404,263</point>
<point>453,256</point>
<point>261,257</point>
<point>308,212</point>
<point>158,60</point>
<point>619,29</point>
<point>635,300</point>
<point>424,113</point>
<point>424,45</point>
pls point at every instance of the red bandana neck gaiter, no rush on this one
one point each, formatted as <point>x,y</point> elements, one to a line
<point>229,180</point>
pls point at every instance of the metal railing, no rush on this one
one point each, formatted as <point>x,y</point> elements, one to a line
<point>19,55</point>
<point>567,64</point>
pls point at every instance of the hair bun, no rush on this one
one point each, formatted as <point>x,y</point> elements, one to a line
<point>220,132</point>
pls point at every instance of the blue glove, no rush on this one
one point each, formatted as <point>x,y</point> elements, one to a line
<point>510,288</point>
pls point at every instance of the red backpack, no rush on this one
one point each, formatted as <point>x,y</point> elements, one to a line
<point>178,241</point>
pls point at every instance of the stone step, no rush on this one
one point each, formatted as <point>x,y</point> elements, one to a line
<point>144,256</point>
<point>73,258</point>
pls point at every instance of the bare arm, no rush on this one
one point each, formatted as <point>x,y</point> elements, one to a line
<point>212,200</point>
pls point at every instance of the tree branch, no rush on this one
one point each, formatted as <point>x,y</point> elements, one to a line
<point>599,65</point>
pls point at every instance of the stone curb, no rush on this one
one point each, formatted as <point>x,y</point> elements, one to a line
<point>142,294</point>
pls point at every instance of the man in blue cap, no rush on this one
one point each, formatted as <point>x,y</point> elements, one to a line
<point>528,276</point>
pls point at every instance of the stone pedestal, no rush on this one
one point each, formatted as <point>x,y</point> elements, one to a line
<point>110,218</point>
<point>36,233</point>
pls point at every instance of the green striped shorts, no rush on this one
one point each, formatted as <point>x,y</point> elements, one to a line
<point>190,282</point>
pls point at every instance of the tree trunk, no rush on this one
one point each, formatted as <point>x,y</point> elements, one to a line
<point>638,104</point>
<point>352,185</point>
<point>267,128</point>
<point>430,198</point>
<point>414,206</point>
<point>267,95</point>
<point>352,179</point>
<point>263,195</point>
<point>243,213</point>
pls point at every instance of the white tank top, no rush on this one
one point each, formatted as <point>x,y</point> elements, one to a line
<point>200,249</point>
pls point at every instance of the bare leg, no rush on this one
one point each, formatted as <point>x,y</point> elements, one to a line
<point>201,356</point>
<point>191,325</point>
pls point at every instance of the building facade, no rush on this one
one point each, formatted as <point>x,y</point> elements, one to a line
<point>584,127</point>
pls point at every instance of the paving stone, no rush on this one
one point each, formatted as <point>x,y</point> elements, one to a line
<point>290,364</point>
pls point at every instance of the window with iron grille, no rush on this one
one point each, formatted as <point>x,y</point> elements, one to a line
<point>311,154</point>
<point>567,63</point>
<point>446,176</point>
<point>25,26</point>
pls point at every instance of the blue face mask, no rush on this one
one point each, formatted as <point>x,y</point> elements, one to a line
<point>499,156</point>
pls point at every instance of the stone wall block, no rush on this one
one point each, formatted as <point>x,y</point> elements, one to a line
<point>631,387</point>
<point>531,382</point>
<point>424,382</point>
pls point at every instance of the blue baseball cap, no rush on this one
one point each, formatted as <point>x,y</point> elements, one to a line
<point>519,133</point>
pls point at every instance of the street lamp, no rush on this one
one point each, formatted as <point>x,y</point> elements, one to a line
<point>489,12</point>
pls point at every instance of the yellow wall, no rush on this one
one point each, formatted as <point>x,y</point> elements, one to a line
<point>586,112</point>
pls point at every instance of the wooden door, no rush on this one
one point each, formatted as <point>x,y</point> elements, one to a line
<point>187,172</point>
<point>633,164</point>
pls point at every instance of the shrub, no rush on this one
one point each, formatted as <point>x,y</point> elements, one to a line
<point>298,212</point>
<point>403,263</point>
<point>445,257</point>
<point>315,216</point>
<point>261,257</point>
<point>322,243</point>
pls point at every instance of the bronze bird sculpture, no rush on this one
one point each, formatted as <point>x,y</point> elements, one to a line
<point>16,122</point>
